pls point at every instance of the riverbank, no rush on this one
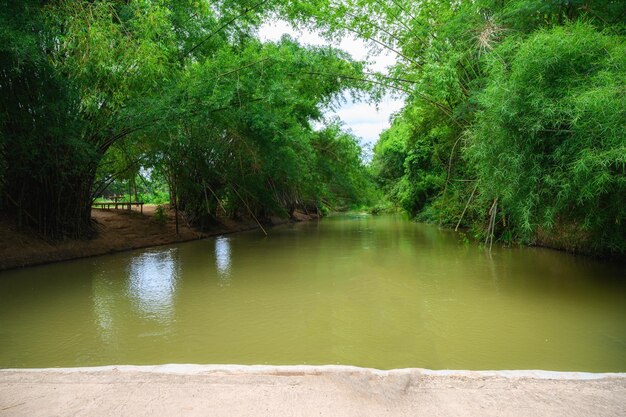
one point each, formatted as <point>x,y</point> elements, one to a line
<point>224,390</point>
<point>117,231</point>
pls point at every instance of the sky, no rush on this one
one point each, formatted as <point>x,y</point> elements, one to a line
<point>363,119</point>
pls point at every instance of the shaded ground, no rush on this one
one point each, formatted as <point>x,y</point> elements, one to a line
<point>195,390</point>
<point>118,230</point>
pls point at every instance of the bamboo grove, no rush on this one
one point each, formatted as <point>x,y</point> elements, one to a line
<point>96,91</point>
<point>513,127</point>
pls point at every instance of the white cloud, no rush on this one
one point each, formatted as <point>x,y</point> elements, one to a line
<point>363,119</point>
<point>274,30</point>
<point>367,121</point>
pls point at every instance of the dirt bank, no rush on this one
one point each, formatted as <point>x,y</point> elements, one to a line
<point>195,390</point>
<point>118,230</point>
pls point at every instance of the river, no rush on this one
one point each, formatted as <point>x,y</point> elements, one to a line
<point>373,291</point>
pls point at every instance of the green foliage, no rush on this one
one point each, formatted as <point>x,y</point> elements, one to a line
<point>518,102</point>
<point>96,94</point>
<point>237,135</point>
<point>342,179</point>
<point>550,143</point>
<point>42,157</point>
<point>160,215</point>
<point>411,158</point>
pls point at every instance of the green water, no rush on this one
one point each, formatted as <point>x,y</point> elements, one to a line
<point>370,291</point>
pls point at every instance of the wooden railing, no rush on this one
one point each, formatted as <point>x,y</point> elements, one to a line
<point>117,205</point>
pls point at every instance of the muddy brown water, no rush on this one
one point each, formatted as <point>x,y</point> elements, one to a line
<point>361,290</point>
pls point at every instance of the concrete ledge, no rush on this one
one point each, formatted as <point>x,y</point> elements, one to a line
<point>260,390</point>
<point>193,369</point>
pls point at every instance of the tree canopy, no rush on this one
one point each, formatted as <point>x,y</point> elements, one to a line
<point>514,122</point>
<point>97,91</point>
<point>513,125</point>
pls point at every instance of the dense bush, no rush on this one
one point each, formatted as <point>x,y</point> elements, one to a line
<point>515,105</point>
<point>550,141</point>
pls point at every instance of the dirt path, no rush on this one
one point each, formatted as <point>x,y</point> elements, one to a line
<point>118,230</point>
<point>194,390</point>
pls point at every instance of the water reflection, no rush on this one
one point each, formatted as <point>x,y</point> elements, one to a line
<point>152,283</point>
<point>104,297</point>
<point>223,260</point>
